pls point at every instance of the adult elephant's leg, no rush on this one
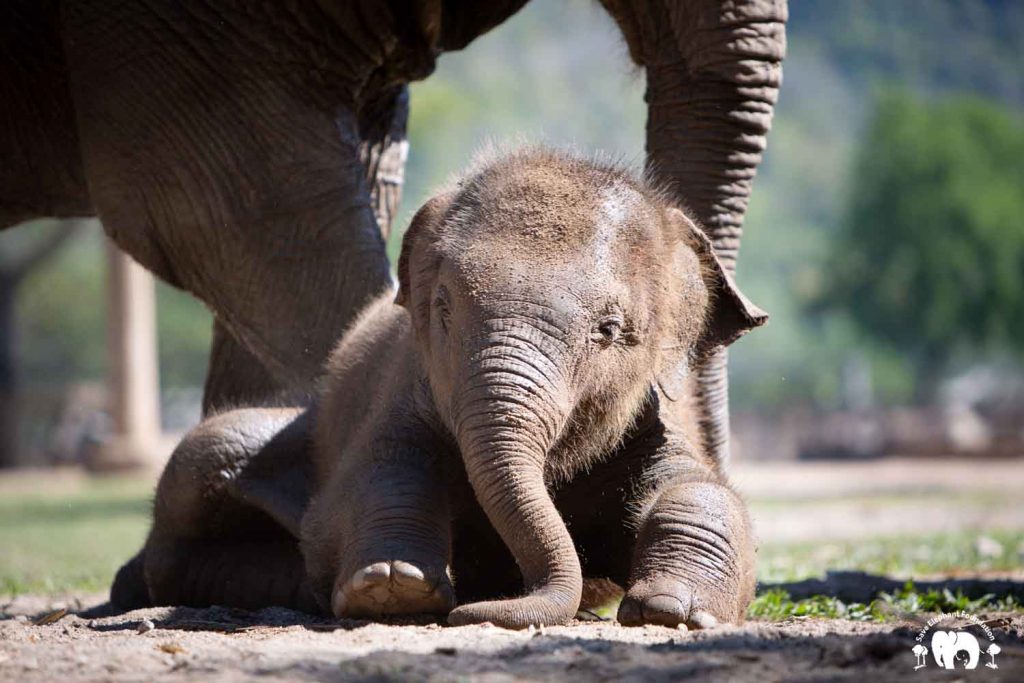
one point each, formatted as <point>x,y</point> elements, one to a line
<point>41,172</point>
<point>235,377</point>
<point>223,162</point>
<point>383,151</point>
<point>713,73</point>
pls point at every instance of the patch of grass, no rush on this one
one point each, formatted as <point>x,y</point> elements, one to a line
<point>892,556</point>
<point>776,605</point>
<point>908,599</point>
<point>56,541</point>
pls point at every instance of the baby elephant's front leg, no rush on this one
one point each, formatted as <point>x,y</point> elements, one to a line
<point>377,538</point>
<point>694,558</point>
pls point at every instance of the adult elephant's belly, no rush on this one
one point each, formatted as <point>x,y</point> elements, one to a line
<point>41,174</point>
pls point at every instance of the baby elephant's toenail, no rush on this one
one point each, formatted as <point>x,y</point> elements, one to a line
<point>663,609</point>
<point>629,613</point>
<point>368,576</point>
<point>702,619</point>
<point>410,575</point>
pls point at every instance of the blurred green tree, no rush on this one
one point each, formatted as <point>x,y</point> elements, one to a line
<point>929,260</point>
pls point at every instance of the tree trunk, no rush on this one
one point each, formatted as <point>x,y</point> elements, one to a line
<point>133,381</point>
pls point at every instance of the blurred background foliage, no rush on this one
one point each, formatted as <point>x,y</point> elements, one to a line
<point>929,257</point>
<point>886,228</point>
<point>60,316</point>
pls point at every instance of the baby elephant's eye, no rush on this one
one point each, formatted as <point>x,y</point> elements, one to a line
<point>608,330</point>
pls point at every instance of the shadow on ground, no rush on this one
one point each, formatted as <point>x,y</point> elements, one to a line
<point>756,653</point>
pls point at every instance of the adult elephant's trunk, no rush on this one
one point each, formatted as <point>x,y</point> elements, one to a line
<point>713,73</point>
<point>507,420</point>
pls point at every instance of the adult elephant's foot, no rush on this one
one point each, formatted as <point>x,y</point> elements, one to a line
<point>393,588</point>
<point>670,602</point>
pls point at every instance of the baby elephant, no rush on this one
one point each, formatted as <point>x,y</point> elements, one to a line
<point>520,415</point>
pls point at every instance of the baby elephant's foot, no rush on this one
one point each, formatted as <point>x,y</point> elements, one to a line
<point>393,588</point>
<point>671,602</point>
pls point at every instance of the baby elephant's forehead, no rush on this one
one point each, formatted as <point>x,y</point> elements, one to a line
<point>623,214</point>
<point>558,235</point>
<point>556,217</point>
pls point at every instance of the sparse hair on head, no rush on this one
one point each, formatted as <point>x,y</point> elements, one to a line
<point>497,156</point>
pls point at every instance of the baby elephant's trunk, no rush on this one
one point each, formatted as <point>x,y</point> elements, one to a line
<point>510,417</point>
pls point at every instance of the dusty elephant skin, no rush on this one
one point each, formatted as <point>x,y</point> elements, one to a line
<point>253,154</point>
<point>527,401</point>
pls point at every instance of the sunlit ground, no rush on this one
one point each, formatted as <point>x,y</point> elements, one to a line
<point>62,532</point>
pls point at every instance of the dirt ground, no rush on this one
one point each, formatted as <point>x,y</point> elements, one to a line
<point>280,645</point>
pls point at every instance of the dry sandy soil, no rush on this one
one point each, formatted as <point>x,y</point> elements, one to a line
<point>278,645</point>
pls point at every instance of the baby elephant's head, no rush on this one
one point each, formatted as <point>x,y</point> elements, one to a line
<point>548,294</point>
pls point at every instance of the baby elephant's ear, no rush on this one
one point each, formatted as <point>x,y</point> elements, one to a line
<point>730,314</point>
<point>423,224</point>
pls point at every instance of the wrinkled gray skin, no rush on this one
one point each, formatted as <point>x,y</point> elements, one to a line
<point>252,154</point>
<point>534,373</point>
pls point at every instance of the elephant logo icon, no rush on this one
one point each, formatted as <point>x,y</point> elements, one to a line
<point>951,646</point>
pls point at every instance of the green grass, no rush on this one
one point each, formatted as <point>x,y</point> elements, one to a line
<point>902,556</point>
<point>777,605</point>
<point>58,541</point>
